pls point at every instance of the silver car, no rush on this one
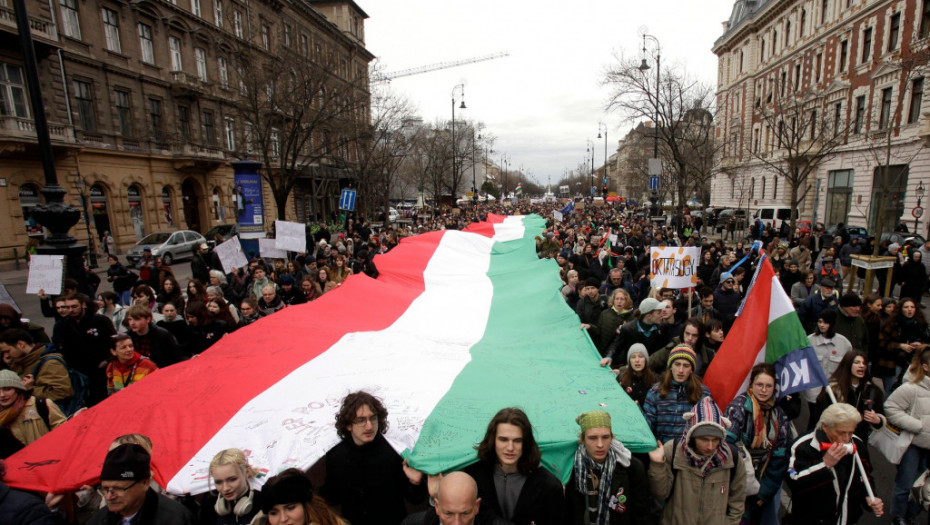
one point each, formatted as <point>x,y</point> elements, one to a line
<point>170,246</point>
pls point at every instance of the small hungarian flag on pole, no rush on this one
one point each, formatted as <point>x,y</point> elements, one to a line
<point>767,329</point>
<point>519,191</point>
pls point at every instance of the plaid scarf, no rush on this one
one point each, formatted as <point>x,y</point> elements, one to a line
<point>593,480</point>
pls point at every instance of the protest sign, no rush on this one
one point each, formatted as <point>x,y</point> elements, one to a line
<point>673,267</point>
<point>268,248</point>
<point>291,236</point>
<point>46,272</point>
<point>6,298</point>
<point>557,215</point>
<point>230,254</point>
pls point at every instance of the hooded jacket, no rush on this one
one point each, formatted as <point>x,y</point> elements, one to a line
<point>51,381</point>
<point>911,398</point>
<point>716,497</point>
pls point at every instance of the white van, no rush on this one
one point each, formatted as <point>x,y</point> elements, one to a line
<point>773,216</point>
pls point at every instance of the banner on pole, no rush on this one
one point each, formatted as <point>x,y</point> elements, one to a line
<point>557,215</point>
<point>674,267</point>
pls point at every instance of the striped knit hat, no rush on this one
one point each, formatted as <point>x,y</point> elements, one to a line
<point>705,419</point>
<point>683,352</point>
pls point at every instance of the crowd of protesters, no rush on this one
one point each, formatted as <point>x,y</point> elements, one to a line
<point>712,464</point>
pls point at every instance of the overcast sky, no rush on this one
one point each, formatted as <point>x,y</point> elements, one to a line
<point>544,100</point>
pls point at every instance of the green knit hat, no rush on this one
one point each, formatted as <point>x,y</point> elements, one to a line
<point>593,419</point>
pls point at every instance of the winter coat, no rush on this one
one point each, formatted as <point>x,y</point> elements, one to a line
<point>540,500</point>
<point>608,323</point>
<point>727,303</point>
<point>51,380</point>
<point>802,255</point>
<point>913,280</point>
<point>275,305</point>
<point>634,332</point>
<point>800,292</point>
<point>207,514</point>
<point>771,465</point>
<point>29,426</point>
<point>869,395</point>
<point>829,352</point>
<point>717,499</point>
<point>630,480</point>
<point>898,408</point>
<point>120,375</point>
<point>821,495</point>
<point>368,482</point>
<point>157,510</point>
<point>163,348</point>
<point>811,308</point>
<point>23,508</point>
<point>852,327</point>
<point>895,332</point>
<point>664,413</point>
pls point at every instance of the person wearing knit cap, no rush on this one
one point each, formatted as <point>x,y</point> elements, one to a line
<point>849,322</point>
<point>699,470</point>
<point>676,392</point>
<point>636,378</point>
<point>589,306</point>
<point>607,485</point>
<point>288,498</point>
<point>643,329</point>
<point>124,485</point>
<point>21,413</point>
<point>511,482</point>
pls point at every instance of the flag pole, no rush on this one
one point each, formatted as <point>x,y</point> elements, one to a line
<point>856,458</point>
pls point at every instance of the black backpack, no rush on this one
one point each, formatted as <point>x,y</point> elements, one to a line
<point>79,382</point>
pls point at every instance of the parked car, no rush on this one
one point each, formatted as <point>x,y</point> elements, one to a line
<point>907,241</point>
<point>854,231</point>
<point>168,245</point>
<point>227,231</point>
<point>724,218</point>
<point>804,227</point>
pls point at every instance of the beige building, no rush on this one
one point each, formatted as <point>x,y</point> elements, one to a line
<point>848,61</point>
<point>140,100</point>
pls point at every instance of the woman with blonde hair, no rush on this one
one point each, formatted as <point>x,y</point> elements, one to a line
<point>235,501</point>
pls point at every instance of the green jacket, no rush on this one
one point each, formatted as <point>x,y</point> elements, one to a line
<point>854,329</point>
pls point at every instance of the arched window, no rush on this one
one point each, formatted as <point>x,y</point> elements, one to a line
<point>136,213</point>
<point>99,209</point>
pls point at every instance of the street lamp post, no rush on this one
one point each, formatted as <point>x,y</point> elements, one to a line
<point>461,89</point>
<point>91,255</point>
<point>655,125</point>
<point>474,180</point>
<point>590,149</point>
<point>920,195</point>
<point>599,126</point>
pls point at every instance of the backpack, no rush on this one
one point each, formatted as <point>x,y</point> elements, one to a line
<point>79,382</point>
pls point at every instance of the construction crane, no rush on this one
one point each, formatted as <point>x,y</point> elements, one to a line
<point>387,77</point>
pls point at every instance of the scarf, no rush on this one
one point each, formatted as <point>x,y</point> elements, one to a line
<point>765,427</point>
<point>706,464</point>
<point>593,480</point>
<point>9,414</point>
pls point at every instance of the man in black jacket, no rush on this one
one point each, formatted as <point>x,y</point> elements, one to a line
<point>511,482</point>
<point>152,341</point>
<point>84,340</point>
<point>365,477</point>
<point>199,267</point>
<point>457,503</point>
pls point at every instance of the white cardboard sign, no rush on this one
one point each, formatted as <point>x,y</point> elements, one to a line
<point>674,267</point>
<point>46,272</point>
<point>290,236</point>
<point>268,248</point>
<point>230,254</point>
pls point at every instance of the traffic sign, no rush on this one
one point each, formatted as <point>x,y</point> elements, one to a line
<point>347,200</point>
<point>917,212</point>
<point>654,183</point>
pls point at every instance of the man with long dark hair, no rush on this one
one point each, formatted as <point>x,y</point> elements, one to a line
<point>511,483</point>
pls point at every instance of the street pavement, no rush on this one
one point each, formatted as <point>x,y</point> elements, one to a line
<point>15,283</point>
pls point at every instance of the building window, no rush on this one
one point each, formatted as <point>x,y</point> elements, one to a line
<point>917,96</point>
<point>155,119</point>
<point>12,92</point>
<point>195,7</point>
<point>218,12</point>
<point>266,37</point>
<point>894,31</point>
<point>860,114</point>
<point>844,54</point>
<point>818,62</point>
<point>209,129</point>
<point>247,136</point>
<point>146,43</point>
<point>275,147</point>
<point>837,118</point>
<point>925,21</point>
<point>784,83</point>
<point>839,195</point>
<point>287,36</point>
<point>866,44</point>
<point>813,124</point>
<point>174,47</point>
<point>803,21</point>
<point>797,77</point>
<point>229,126</point>
<point>84,103</point>
<point>762,51</point>
<point>184,123</point>
<point>788,33</point>
<point>223,67</point>
<point>123,112</point>
<point>111,29</point>
<point>200,59</point>
<point>885,114</point>
<point>237,23</point>
<point>824,7</point>
<point>304,46</point>
<point>774,42</point>
<point>70,21</point>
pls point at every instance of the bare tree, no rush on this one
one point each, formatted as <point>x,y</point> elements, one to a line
<point>299,112</point>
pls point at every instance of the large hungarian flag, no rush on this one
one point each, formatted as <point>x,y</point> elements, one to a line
<point>768,330</point>
<point>457,326</point>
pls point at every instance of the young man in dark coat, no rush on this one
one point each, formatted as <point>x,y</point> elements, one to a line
<point>152,341</point>
<point>365,477</point>
<point>83,337</point>
<point>511,482</point>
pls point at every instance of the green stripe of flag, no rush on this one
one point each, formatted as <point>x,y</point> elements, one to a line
<point>785,336</point>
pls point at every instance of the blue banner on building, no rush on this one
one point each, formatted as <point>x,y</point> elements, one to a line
<point>250,213</point>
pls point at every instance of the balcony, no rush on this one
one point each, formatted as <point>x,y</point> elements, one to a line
<point>194,157</point>
<point>39,28</point>
<point>187,85</point>
<point>25,128</point>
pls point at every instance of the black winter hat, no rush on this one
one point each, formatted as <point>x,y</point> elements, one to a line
<point>129,462</point>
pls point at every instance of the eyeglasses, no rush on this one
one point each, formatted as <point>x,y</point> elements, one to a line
<point>360,421</point>
<point>118,491</point>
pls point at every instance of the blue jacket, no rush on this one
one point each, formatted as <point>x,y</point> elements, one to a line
<point>23,508</point>
<point>664,414</point>
<point>811,307</point>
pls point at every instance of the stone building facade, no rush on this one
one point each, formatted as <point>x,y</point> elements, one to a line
<point>858,66</point>
<point>140,99</point>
